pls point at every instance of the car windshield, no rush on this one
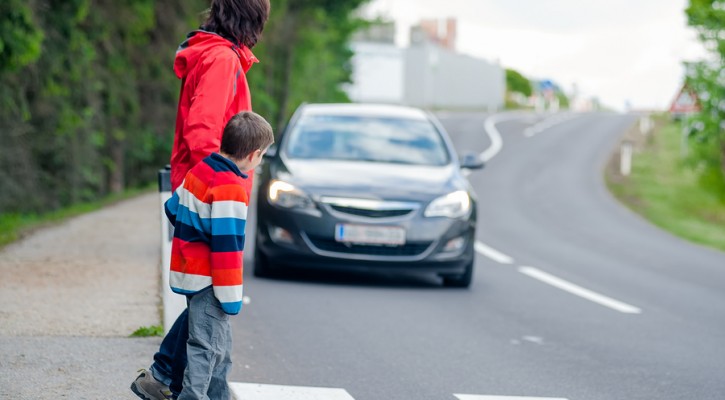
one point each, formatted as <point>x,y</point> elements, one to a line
<point>377,139</point>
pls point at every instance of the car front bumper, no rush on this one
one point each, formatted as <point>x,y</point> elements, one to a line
<point>309,242</point>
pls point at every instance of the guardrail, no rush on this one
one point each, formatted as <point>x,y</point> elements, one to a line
<point>172,303</point>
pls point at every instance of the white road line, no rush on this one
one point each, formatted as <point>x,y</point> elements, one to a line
<point>496,142</point>
<point>489,126</point>
<point>491,253</point>
<point>529,132</point>
<point>256,391</point>
<point>579,291</point>
<point>548,123</point>
<point>481,397</point>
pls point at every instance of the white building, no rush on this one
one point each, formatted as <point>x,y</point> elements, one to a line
<point>377,73</point>
<point>426,74</point>
<point>436,77</point>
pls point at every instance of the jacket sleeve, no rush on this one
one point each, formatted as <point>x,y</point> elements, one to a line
<point>171,207</point>
<point>212,97</point>
<point>228,220</point>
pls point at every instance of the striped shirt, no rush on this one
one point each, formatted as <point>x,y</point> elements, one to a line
<point>209,213</point>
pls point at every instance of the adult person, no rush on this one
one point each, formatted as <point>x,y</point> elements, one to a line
<point>212,64</point>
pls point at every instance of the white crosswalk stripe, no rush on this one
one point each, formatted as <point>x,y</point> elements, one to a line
<point>481,397</point>
<point>256,391</point>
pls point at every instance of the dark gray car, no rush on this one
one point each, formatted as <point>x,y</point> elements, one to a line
<point>353,186</point>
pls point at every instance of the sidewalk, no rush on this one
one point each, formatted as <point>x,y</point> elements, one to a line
<point>70,296</point>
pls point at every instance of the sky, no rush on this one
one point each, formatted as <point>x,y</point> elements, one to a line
<point>625,52</point>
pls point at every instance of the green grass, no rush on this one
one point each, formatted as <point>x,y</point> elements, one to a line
<point>15,226</point>
<point>671,195</point>
<point>147,331</point>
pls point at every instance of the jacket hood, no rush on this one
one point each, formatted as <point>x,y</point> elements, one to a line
<point>197,43</point>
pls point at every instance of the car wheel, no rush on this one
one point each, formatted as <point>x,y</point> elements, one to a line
<point>262,267</point>
<point>460,281</point>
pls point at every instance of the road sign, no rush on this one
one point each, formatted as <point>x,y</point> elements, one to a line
<point>685,102</point>
<point>546,84</point>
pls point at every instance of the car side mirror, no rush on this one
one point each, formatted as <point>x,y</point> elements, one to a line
<point>472,161</point>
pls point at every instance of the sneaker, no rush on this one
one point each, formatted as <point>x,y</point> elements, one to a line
<point>148,388</point>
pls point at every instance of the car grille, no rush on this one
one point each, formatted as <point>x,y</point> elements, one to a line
<point>370,213</point>
<point>408,249</point>
<point>369,208</point>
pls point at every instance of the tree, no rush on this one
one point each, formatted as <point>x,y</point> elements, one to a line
<point>517,83</point>
<point>707,79</point>
<point>20,46</point>
<point>304,56</point>
<point>20,38</point>
<point>88,101</point>
<point>88,97</point>
<point>708,17</point>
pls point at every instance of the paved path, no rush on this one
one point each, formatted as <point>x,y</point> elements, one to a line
<point>70,296</point>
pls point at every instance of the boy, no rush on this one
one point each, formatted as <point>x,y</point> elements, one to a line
<point>209,212</point>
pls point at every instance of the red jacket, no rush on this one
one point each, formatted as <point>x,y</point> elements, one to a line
<point>213,89</point>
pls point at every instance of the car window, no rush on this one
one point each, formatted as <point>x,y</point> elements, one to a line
<point>390,140</point>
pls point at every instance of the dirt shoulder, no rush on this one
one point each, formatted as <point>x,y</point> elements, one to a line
<point>71,294</point>
<point>93,275</point>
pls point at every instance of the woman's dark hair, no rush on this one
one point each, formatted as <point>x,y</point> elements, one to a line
<point>241,21</point>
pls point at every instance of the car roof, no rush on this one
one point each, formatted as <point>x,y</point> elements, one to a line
<point>360,109</point>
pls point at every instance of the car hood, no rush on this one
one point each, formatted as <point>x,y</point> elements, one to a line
<point>370,179</point>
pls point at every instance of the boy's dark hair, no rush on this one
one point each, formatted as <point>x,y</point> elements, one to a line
<point>245,133</point>
<point>241,21</point>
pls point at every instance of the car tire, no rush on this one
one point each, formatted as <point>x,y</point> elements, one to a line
<point>262,266</point>
<point>460,281</point>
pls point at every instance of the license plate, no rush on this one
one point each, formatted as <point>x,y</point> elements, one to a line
<point>370,234</point>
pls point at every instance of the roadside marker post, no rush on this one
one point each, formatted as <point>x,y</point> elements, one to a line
<point>625,158</point>
<point>172,303</point>
<point>645,125</point>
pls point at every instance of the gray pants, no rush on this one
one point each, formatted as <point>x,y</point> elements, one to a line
<point>208,349</point>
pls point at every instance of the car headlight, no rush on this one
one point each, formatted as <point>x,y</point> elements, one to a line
<point>452,205</point>
<point>286,195</point>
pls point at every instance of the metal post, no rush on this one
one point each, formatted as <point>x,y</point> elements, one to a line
<point>173,304</point>
<point>625,158</point>
<point>684,150</point>
<point>645,125</point>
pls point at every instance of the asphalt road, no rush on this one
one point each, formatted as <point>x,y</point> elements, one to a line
<point>574,297</point>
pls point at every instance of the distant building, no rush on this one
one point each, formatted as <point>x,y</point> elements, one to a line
<point>437,31</point>
<point>428,74</point>
<point>383,32</point>
<point>436,77</point>
<point>377,73</point>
